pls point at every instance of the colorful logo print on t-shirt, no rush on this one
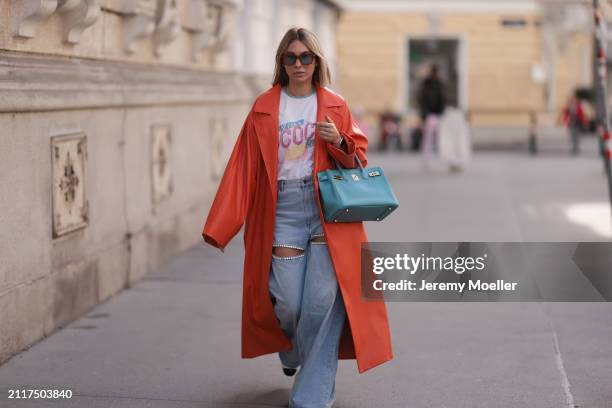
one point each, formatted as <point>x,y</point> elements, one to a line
<point>295,138</point>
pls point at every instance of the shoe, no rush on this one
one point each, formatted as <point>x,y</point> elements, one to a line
<point>288,371</point>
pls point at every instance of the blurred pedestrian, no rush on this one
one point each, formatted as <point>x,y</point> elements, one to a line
<point>432,102</point>
<point>455,145</point>
<point>390,129</point>
<point>574,119</point>
<point>416,137</point>
<point>300,290</point>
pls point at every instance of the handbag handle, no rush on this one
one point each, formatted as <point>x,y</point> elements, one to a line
<point>358,162</point>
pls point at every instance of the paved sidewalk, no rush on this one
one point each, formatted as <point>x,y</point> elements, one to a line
<point>174,339</point>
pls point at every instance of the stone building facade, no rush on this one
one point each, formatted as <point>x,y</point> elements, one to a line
<point>117,118</point>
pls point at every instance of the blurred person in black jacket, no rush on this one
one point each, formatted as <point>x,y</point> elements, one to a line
<point>432,102</point>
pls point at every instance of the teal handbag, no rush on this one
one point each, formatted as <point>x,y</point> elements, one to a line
<point>352,195</point>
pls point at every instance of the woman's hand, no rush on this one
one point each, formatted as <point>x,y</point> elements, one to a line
<point>328,131</point>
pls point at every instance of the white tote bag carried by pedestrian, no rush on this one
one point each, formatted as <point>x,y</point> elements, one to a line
<point>455,144</point>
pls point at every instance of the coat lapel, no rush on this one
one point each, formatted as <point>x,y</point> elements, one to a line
<point>266,126</point>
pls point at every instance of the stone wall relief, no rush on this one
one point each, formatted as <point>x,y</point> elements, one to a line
<point>77,16</point>
<point>70,207</point>
<point>161,164</point>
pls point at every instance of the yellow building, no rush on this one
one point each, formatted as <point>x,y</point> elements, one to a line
<point>501,60</point>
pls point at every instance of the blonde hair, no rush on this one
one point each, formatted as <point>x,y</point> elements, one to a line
<point>322,74</point>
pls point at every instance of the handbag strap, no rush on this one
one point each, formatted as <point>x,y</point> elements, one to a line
<point>340,169</point>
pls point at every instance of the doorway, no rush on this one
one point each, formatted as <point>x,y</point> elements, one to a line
<point>446,53</point>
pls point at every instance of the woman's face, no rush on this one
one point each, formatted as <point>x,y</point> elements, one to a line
<point>299,73</point>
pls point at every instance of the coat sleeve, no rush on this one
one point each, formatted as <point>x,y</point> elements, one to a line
<point>356,142</point>
<point>236,189</point>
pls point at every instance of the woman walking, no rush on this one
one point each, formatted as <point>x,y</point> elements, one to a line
<point>301,291</point>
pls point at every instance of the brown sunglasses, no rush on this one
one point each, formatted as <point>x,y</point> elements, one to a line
<point>306,58</point>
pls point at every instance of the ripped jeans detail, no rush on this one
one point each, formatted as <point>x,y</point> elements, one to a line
<point>287,258</point>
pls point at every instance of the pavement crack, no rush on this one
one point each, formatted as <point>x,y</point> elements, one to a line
<point>565,384</point>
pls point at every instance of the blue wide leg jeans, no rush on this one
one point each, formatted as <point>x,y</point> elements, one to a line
<point>306,297</point>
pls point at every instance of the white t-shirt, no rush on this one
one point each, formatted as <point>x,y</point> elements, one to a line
<point>297,117</point>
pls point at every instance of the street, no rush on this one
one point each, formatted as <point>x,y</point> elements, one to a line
<point>173,340</point>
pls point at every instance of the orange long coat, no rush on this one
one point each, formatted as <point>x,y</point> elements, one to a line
<point>247,193</point>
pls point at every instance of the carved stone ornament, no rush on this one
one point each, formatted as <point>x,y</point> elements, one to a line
<point>26,14</point>
<point>139,18</point>
<point>161,169</point>
<point>223,29</point>
<point>209,23</point>
<point>196,24</point>
<point>77,16</point>
<point>167,24</point>
<point>70,207</point>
